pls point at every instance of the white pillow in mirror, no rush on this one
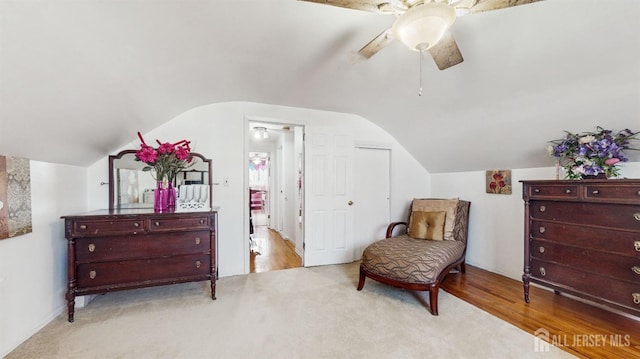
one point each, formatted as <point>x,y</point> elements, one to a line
<point>204,193</point>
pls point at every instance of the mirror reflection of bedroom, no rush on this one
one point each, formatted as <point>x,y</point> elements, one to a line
<point>275,197</point>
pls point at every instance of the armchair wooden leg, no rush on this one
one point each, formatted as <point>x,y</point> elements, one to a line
<point>433,298</point>
<point>463,268</point>
<point>361,281</point>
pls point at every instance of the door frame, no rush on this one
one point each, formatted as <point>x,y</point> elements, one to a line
<point>272,185</point>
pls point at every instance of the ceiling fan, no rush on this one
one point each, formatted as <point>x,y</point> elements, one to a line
<point>422,24</point>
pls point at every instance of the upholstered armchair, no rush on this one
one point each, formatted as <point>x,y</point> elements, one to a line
<point>435,242</point>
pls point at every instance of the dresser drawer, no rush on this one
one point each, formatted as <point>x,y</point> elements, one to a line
<point>612,193</point>
<point>106,227</point>
<point>127,273</point>
<point>616,292</point>
<point>551,191</point>
<point>164,223</point>
<point>607,240</point>
<point>141,246</point>
<point>588,260</point>
<point>591,214</point>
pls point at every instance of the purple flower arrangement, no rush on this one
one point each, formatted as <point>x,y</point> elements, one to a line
<point>592,153</point>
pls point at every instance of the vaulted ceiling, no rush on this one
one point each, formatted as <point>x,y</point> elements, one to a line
<point>78,77</point>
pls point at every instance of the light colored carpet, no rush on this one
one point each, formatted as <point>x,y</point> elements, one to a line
<point>295,313</point>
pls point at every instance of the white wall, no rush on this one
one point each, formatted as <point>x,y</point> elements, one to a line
<point>496,228</point>
<point>33,267</point>
<point>220,131</point>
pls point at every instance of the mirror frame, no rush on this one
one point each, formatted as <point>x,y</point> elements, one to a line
<point>123,153</point>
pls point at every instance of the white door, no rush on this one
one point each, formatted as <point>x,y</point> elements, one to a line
<point>372,192</point>
<point>328,197</point>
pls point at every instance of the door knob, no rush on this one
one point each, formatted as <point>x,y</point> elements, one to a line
<point>350,203</point>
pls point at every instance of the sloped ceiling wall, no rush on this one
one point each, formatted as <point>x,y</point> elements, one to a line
<point>78,79</point>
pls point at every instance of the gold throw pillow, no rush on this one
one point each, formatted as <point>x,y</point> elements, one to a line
<point>427,225</point>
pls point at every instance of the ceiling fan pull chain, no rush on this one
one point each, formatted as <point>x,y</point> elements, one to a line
<point>420,88</point>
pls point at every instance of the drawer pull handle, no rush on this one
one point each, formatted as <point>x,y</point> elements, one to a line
<point>541,249</point>
<point>636,269</point>
<point>92,274</point>
<point>197,240</point>
<point>543,272</point>
<point>637,216</point>
<point>198,264</point>
<point>83,226</point>
<point>136,224</point>
<point>92,247</point>
<point>595,191</point>
<point>636,245</point>
<point>567,191</point>
<point>537,190</point>
<point>636,298</point>
<point>543,208</point>
<point>542,229</point>
<point>202,221</point>
<point>157,224</point>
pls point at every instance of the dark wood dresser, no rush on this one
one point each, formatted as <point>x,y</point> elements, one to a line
<point>112,250</point>
<point>583,238</point>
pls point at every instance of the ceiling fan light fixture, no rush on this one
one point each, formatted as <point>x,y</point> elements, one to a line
<point>422,26</point>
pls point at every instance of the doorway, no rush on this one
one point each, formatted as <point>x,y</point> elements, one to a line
<point>275,196</point>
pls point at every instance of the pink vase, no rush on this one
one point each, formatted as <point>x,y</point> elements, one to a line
<point>171,197</point>
<point>160,198</point>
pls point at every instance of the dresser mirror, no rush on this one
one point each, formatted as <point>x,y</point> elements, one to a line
<point>131,187</point>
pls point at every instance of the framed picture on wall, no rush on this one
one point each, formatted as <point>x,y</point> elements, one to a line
<point>15,196</point>
<point>498,181</point>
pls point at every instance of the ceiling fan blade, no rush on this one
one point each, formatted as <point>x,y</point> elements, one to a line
<point>488,5</point>
<point>446,53</point>
<point>379,6</point>
<point>377,44</point>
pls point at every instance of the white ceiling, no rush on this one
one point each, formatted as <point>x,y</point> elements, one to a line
<point>77,78</point>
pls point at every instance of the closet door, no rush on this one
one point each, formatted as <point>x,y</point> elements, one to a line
<point>372,194</point>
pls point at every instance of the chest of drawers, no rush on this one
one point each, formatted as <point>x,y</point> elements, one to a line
<point>135,248</point>
<point>583,238</point>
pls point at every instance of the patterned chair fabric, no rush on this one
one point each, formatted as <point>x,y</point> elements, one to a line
<point>418,264</point>
<point>410,260</point>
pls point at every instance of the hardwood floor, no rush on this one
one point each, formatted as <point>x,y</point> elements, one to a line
<point>578,328</point>
<point>272,252</point>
